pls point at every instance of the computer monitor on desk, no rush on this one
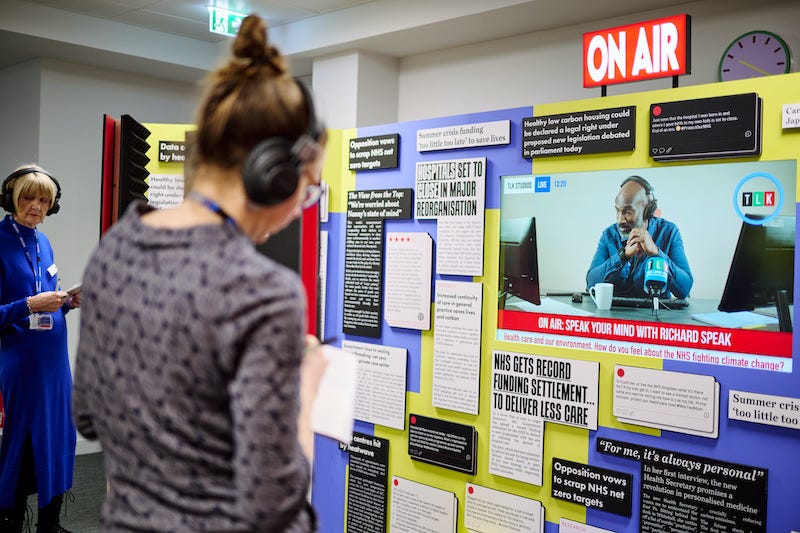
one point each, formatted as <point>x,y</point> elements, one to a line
<point>519,261</point>
<point>762,268</point>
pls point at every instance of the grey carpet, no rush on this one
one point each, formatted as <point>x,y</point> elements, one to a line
<point>82,515</point>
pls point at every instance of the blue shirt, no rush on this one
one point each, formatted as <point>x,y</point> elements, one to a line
<point>628,276</point>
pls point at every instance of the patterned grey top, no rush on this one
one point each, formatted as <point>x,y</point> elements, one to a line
<point>188,373</point>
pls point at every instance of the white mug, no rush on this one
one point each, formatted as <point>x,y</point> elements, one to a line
<point>601,294</point>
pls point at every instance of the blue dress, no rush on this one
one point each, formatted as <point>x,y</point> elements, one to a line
<point>35,378</point>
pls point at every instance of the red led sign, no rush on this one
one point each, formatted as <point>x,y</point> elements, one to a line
<point>642,51</point>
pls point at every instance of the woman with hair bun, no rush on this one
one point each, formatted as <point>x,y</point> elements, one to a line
<point>193,369</point>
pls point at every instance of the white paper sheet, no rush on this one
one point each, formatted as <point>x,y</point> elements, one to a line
<point>457,346</point>
<point>381,388</point>
<point>333,409</point>
<point>409,262</point>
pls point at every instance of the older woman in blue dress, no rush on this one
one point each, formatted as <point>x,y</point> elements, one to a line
<point>38,446</point>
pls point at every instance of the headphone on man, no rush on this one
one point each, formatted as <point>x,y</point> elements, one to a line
<point>652,203</point>
<point>7,190</point>
<point>271,171</point>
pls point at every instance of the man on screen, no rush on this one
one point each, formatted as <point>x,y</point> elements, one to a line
<point>638,234</point>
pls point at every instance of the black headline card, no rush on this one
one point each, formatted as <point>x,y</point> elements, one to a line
<point>367,484</point>
<point>376,152</point>
<point>363,260</point>
<point>442,443</point>
<point>363,266</point>
<point>580,133</point>
<point>722,126</point>
<point>598,488</point>
<point>682,492</point>
<point>171,151</point>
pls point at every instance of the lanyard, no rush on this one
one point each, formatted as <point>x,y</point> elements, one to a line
<point>214,206</point>
<point>37,274</point>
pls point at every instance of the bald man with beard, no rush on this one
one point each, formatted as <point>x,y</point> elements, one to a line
<point>638,234</point>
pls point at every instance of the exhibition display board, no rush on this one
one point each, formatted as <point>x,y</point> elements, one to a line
<point>527,360</point>
<point>533,362</point>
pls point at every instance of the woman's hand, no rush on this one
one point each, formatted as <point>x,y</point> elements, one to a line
<point>311,371</point>
<point>74,301</point>
<point>47,302</point>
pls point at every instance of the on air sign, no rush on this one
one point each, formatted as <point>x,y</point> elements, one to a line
<point>642,51</point>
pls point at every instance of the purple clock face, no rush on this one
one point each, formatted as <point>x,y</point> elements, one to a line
<point>753,55</point>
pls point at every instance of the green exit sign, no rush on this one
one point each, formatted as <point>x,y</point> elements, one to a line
<point>223,21</point>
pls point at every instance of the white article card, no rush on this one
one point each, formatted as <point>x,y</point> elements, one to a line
<point>409,262</point>
<point>559,390</point>
<point>665,399</point>
<point>416,507</point>
<point>464,136</point>
<point>790,116</point>
<point>454,192</point>
<point>165,190</point>
<point>492,511</point>
<point>782,411</point>
<point>457,346</point>
<point>381,387</point>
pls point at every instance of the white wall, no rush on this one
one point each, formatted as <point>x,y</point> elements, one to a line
<point>52,113</point>
<point>65,103</point>
<point>73,101</point>
<point>337,105</point>
<point>547,66</point>
<point>377,95</point>
<point>20,86</point>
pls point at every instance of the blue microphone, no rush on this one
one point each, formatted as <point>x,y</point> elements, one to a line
<point>655,279</point>
<point>656,270</point>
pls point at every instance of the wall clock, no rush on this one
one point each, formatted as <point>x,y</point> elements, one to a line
<point>754,54</point>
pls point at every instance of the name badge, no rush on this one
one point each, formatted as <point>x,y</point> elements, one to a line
<point>52,270</point>
<point>41,321</point>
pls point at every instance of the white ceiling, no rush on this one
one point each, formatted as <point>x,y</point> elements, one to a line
<point>189,18</point>
<point>170,38</point>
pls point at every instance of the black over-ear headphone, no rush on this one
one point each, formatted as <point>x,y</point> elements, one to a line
<point>271,171</point>
<point>652,203</point>
<point>7,191</point>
